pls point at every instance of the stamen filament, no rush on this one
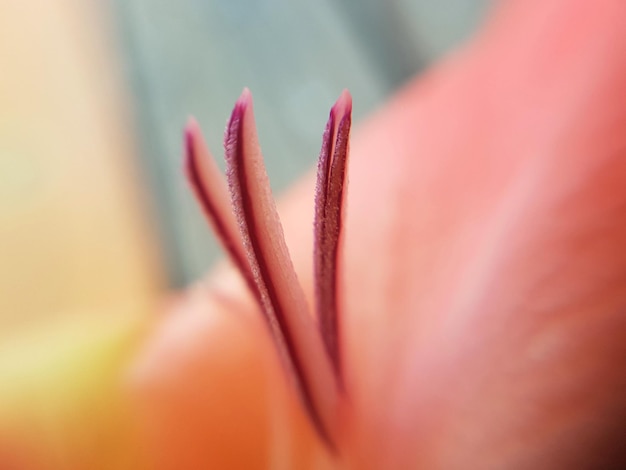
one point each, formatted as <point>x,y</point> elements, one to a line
<point>329,192</point>
<point>281,294</point>
<point>251,232</point>
<point>211,191</point>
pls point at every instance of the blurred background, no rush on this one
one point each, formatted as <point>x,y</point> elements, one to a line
<point>95,216</point>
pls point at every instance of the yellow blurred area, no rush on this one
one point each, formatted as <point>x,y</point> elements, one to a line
<point>79,274</point>
<point>61,396</point>
<point>74,238</point>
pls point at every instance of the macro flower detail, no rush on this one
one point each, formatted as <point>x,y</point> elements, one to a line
<point>252,235</point>
<point>469,313</point>
<point>469,310</point>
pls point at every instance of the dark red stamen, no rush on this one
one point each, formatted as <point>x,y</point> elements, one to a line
<point>264,243</point>
<point>254,239</point>
<point>211,207</point>
<point>327,226</point>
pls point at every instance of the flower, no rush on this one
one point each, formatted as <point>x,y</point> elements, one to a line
<point>479,275</point>
<point>481,295</point>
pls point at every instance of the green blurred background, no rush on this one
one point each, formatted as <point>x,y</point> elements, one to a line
<point>195,56</point>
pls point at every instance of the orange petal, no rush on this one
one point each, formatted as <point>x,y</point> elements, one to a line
<point>208,392</point>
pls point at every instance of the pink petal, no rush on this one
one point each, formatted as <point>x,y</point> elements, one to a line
<point>483,269</point>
